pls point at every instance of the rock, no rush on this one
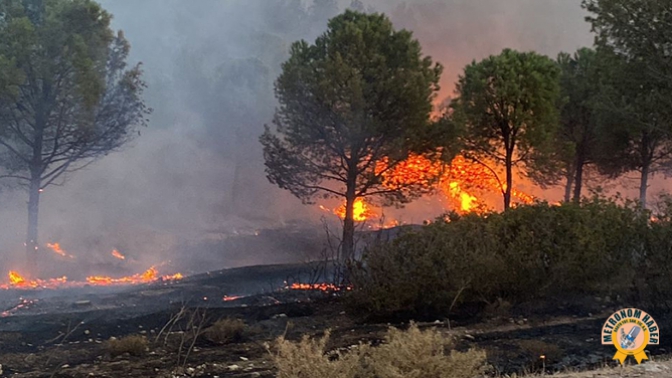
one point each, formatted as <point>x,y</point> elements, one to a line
<point>244,358</point>
<point>0,369</point>
<point>470,337</point>
<point>652,367</point>
<point>65,366</point>
<point>87,332</point>
<point>278,316</point>
<point>191,371</point>
<point>234,367</point>
<point>82,303</point>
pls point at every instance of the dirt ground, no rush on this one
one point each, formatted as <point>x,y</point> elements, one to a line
<point>69,346</point>
<point>66,333</point>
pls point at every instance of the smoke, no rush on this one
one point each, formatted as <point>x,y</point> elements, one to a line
<point>198,170</point>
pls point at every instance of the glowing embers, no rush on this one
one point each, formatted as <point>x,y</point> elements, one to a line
<point>326,287</point>
<point>56,248</point>
<point>116,254</point>
<point>23,303</point>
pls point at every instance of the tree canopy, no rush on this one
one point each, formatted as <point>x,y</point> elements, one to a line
<point>506,107</point>
<point>636,100</point>
<point>578,140</point>
<point>353,106</point>
<point>75,99</point>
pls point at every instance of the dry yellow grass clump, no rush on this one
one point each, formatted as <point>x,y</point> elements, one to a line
<point>405,354</point>
<point>226,331</point>
<point>134,345</point>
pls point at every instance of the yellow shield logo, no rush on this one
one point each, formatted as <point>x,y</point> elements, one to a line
<point>630,330</point>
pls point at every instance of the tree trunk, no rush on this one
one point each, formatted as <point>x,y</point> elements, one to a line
<point>509,180</point>
<point>643,185</point>
<point>31,235</point>
<point>568,186</point>
<point>578,181</point>
<point>349,228</point>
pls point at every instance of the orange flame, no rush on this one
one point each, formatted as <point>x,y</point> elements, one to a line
<point>360,211</point>
<point>118,255</point>
<point>16,281</point>
<point>316,286</point>
<point>457,181</point>
<point>56,247</point>
<point>228,298</point>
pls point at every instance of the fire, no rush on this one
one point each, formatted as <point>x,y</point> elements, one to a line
<point>17,281</point>
<point>457,181</point>
<point>360,211</point>
<point>56,247</point>
<point>467,201</point>
<point>118,255</point>
<point>23,303</point>
<point>228,298</point>
<point>316,286</point>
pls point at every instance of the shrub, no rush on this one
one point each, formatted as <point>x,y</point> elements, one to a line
<point>134,345</point>
<point>225,331</point>
<point>416,353</point>
<point>525,253</point>
<point>411,353</point>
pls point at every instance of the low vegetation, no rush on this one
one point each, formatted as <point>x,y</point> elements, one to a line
<point>410,353</point>
<point>596,248</point>
<point>134,345</point>
<point>226,331</point>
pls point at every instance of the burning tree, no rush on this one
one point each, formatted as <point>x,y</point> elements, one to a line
<point>507,109</point>
<point>353,106</point>
<point>73,100</point>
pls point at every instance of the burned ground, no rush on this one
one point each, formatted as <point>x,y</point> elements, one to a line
<point>64,333</point>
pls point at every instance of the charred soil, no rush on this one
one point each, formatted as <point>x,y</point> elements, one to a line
<point>68,334</point>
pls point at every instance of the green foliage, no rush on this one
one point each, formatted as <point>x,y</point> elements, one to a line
<point>635,108</point>
<point>353,98</point>
<point>71,98</point>
<point>361,95</point>
<point>529,252</point>
<point>507,108</point>
<point>576,140</point>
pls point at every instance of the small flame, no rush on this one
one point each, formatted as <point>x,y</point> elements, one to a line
<point>228,298</point>
<point>316,286</point>
<point>56,247</point>
<point>118,255</point>
<point>17,281</point>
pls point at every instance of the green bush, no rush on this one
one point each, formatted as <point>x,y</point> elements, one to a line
<point>537,251</point>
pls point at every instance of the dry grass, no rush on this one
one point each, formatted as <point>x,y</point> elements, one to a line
<point>405,354</point>
<point>226,331</point>
<point>134,345</point>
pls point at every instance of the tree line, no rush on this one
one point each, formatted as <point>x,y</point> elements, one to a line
<point>357,102</point>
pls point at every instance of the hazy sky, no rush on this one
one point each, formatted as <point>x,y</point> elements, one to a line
<point>210,66</point>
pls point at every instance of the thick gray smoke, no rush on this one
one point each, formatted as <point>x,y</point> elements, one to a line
<point>197,170</point>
